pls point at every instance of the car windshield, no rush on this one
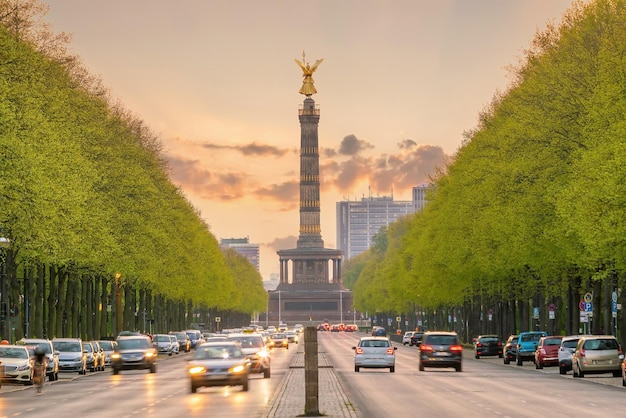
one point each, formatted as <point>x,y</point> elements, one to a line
<point>552,341</point>
<point>374,343</point>
<point>45,347</point>
<point>88,348</point>
<point>106,345</point>
<point>133,343</point>
<point>162,338</point>
<point>570,343</point>
<point>279,336</point>
<point>531,337</point>
<point>488,339</point>
<point>601,344</point>
<point>11,352</point>
<point>216,352</point>
<point>67,346</point>
<point>249,342</point>
<point>441,340</point>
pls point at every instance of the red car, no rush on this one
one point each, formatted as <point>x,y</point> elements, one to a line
<point>547,353</point>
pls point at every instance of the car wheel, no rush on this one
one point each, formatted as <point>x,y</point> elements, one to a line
<point>519,360</point>
<point>116,371</point>
<point>153,368</point>
<point>617,373</point>
<point>421,367</point>
<point>500,355</point>
<point>459,368</point>
<point>562,370</point>
<point>392,369</point>
<point>194,389</point>
<point>477,356</point>
<point>245,385</point>
<point>506,360</point>
<point>581,373</point>
<point>357,368</point>
<point>267,373</point>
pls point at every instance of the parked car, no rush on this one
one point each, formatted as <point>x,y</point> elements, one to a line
<point>406,338</point>
<point>527,345</point>
<point>509,351</point>
<point>218,364</point>
<point>175,344</point>
<point>280,340</point>
<point>566,350</point>
<point>547,353</point>
<point>99,354</point>
<point>71,355</point>
<point>253,346</point>
<point>183,340</point>
<point>596,354</point>
<point>134,352</point>
<point>441,349</point>
<point>52,369</point>
<point>488,345</point>
<point>17,363</point>
<point>92,358</point>
<point>416,339</point>
<point>108,347</point>
<point>374,352</point>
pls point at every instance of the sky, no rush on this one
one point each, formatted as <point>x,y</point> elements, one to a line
<point>216,81</point>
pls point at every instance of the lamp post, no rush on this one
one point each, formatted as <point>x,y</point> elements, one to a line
<point>4,302</point>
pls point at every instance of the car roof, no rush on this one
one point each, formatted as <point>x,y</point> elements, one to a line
<point>440,333</point>
<point>374,338</point>
<point>219,343</point>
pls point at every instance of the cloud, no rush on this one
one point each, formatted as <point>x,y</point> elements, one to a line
<point>351,145</point>
<point>251,150</point>
<point>288,192</point>
<point>290,241</point>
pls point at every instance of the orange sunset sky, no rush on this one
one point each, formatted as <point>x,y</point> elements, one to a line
<point>217,82</point>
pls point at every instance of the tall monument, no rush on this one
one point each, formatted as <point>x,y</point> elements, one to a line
<point>310,287</point>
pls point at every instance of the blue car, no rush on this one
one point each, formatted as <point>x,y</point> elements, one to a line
<point>527,345</point>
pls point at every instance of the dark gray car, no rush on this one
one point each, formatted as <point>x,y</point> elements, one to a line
<point>441,349</point>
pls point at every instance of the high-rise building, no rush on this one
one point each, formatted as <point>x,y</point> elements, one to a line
<point>419,196</point>
<point>359,221</point>
<point>244,247</point>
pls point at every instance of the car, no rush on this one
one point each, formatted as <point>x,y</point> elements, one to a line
<point>441,349</point>
<point>183,340</point>
<point>195,337</point>
<point>416,339</point>
<point>292,336</point>
<point>98,353</point>
<point>567,348</point>
<point>527,345</point>
<point>163,344</point>
<point>253,346</point>
<point>595,354</point>
<point>108,346</point>
<point>299,328</point>
<point>271,329</point>
<point>374,352</point>
<point>282,327</point>
<point>378,331</point>
<point>280,340</point>
<point>132,353</point>
<point>175,344</point>
<point>547,353</point>
<point>17,363</point>
<point>218,364</point>
<point>52,369</point>
<point>509,351</point>
<point>92,358</point>
<point>488,345</point>
<point>72,357</point>
<point>351,328</point>
<point>406,338</point>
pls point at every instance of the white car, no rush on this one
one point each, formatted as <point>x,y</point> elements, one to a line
<point>52,370</point>
<point>162,343</point>
<point>406,338</point>
<point>375,352</point>
<point>17,363</point>
<point>567,348</point>
<point>175,344</point>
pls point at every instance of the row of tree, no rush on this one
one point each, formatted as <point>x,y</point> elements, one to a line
<point>100,239</point>
<point>529,217</point>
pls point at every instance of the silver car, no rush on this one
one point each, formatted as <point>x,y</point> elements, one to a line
<point>52,369</point>
<point>375,352</point>
<point>597,354</point>
<point>567,348</point>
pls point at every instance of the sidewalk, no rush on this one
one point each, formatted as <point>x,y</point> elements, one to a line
<point>288,401</point>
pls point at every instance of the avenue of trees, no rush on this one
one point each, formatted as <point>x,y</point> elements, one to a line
<point>530,215</point>
<point>100,239</point>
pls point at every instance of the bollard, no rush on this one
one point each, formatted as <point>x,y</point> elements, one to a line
<point>311,378</point>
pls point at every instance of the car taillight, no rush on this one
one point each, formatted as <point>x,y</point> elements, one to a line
<point>456,348</point>
<point>359,350</point>
<point>479,344</point>
<point>390,351</point>
<point>499,344</point>
<point>426,347</point>
<point>582,352</point>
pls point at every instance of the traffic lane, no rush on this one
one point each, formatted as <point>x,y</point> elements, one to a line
<point>138,392</point>
<point>483,387</point>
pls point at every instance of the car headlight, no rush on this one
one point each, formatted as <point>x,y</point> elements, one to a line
<point>150,354</point>
<point>23,367</point>
<point>78,359</point>
<point>197,370</point>
<point>262,353</point>
<point>237,369</point>
<point>115,355</point>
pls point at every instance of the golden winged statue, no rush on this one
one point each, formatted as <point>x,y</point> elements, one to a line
<point>308,88</point>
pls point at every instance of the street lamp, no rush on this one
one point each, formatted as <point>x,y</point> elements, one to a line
<point>4,302</point>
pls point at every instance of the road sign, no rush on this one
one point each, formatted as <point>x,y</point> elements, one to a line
<point>614,296</point>
<point>588,307</point>
<point>535,312</point>
<point>551,307</point>
<point>588,297</point>
<point>398,318</point>
<point>218,319</point>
